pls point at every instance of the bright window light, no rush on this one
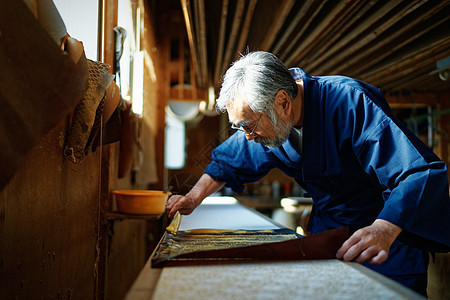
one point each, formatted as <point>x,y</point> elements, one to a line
<point>137,96</point>
<point>81,20</point>
<point>175,143</point>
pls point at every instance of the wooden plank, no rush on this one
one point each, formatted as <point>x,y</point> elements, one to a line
<point>109,153</point>
<point>48,218</point>
<point>161,34</point>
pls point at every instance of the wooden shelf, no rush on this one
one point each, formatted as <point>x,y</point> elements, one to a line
<point>117,216</point>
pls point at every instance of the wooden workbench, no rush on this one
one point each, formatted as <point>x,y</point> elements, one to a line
<point>325,279</point>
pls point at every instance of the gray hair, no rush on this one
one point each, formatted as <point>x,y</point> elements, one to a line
<point>259,75</point>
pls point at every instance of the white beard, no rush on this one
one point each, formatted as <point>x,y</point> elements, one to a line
<point>282,131</point>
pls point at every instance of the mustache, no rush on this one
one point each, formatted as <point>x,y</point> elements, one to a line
<point>282,131</point>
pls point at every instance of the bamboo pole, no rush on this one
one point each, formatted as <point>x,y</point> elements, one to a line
<point>220,47</point>
<point>278,22</point>
<point>246,26</point>
<point>233,36</point>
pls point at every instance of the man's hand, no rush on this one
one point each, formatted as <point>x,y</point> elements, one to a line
<point>184,204</point>
<point>370,243</point>
<point>204,187</point>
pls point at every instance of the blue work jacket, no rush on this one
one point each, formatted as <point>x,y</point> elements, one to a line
<point>359,163</point>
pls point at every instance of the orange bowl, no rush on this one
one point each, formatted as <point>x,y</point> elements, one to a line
<point>141,202</point>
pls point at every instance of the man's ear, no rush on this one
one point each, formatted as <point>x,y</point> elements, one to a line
<point>283,103</point>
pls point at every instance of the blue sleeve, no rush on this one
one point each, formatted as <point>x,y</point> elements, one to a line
<point>416,181</point>
<point>238,161</point>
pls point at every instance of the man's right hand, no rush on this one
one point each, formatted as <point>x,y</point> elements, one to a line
<point>184,204</point>
<point>204,187</point>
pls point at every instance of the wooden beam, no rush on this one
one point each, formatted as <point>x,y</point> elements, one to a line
<point>324,62</point>
<point>181,65</point>
<point>158,33</point>
<point>294,42</point>
<point>339,29</point>
<point>278,22</point>
<point>233,36</point>
<point>109,154</point>
<point>319,31</point>
<point>410,80</point>
<point>389,44</point>
<point>246,27</point>
<point>298,17</point>
<point>416,60</point>
<point>193,80</point>
<point>185,4</point>
<point>221,41</point>
<point>203,51</point>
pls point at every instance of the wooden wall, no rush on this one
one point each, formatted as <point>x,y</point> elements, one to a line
<point>56,241</point>
<point>50,224</point>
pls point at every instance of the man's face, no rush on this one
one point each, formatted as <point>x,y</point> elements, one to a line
<point>239,113</point>
<point>282,130</point>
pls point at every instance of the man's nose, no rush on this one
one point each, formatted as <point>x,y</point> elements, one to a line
<point>250,136</point>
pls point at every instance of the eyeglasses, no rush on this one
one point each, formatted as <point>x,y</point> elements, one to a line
<point>246,128</point>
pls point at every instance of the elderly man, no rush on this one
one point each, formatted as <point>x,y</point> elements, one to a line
<point>338,139</point>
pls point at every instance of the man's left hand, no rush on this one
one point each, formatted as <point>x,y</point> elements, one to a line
<point>370,243</point>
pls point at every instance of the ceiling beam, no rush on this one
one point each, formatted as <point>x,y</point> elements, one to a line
<point>338,31</point>
<point>203,53</point>
<point>246,27</point>
<point>382,73</point>
<point>320,31</point>
<point>231,44</point>
<point>348,58</point>
<point>296,40</point>
<point>278,22</point>
<point>186,7</point>
<point>301,14</point>
<point>323,63</point>
<point>389,49</point>
<point>221,41</point>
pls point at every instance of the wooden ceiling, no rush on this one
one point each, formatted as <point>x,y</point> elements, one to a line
<point>394,45</point>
